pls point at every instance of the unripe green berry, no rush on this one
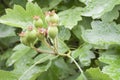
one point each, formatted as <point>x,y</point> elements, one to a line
<point>38,22</point>
<point>52,17</point>
<point>28,37</point>
<point>41,33</point>
<point>31,35</point>
<point>23,39</point>
<point>52,32</point>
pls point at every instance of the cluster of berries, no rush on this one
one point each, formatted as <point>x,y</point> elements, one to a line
<point>37,32</point>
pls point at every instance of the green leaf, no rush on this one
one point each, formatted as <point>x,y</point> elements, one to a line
<point>112,71</point>
<point>85,23</point>
<point>85,1</point>
<point>19,17</point>
<point>77,31</point>
<point>6,31</point>
<point>23,63</point>
<point>2,7</point>
<point>20,50</point>
<point>95,74</point>
<point>7,36</point>
<point>48,4</point>
<point>53,3</point>
<point>84,54</point>
<point>69,18</point>
<point>112,58</point>
<point>34,69</point>
<point>6,75</point>
<point>64,33</point>
<point>7,42</point>
<point>5,55</point>
<point>45,57</point>
<point>110,16</point>
<point>19,2</point>
<point>29,67</point>
<point>59,70</point>
<point>96,8</point>
<point>44,47</point>
<point>61,64</point>
<point>62,47</point>
<point>102,34</point>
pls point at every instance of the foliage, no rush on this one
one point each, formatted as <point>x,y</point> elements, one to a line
<point>85,45</point>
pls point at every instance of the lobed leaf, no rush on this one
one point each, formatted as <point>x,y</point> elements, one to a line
<point>69,18</point>
<point>85,23</point>
<point>85,1</point>
<point>84,54</point>
<point>64,33</point>
<point>112,58</point>
<point>96,8</point>
<point>62,47</point>
<point>20,50</point>
<point>6,75</point>
<point>6,31</point>
<point>102,34</point>
<point>19,17</point>
<point>30,67</point>
<point>95,74</point>
<point>59,70</point>
<point>111,15</point>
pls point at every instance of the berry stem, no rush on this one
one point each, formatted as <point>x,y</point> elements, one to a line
<point>47,44</point>
<point>56,43</point>
<point>41,51</point>
<point>55,46</point>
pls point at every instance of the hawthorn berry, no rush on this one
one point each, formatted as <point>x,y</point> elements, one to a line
<point>37,22</point>
<point>42,32</point>
<point>29,36</point>
<point>23,39</point>
<point>52,31</point>
<point>52,17</point>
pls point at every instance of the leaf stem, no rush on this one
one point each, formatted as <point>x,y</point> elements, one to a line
<point>82,73</point>
<point>78,66</point>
